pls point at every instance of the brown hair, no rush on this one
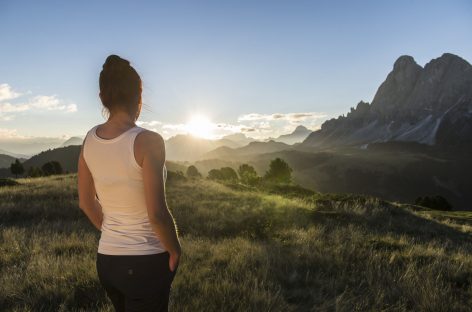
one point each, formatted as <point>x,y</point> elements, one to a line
<point>120,85</point>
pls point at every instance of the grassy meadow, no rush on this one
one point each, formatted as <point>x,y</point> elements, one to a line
<point>245,250</point>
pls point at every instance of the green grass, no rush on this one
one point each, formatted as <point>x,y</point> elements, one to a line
<point>245,250</point>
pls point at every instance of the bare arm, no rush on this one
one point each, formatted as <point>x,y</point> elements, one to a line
<point>87,194</point>
<point>160,217</point>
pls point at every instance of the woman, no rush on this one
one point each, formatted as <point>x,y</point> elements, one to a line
<point>121,182</point>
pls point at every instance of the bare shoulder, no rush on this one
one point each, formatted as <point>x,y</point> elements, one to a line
<point>150,141</point>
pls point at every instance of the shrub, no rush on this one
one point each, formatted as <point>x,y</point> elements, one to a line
<point>52,167</point>
<point>215,174</point>
<point>34,172</point>
<point>223,174</point>
<point>175,176</point>
<point>228,174</point>
<point>248,174</point>
<point>279,172</point>
<point>192,172</point>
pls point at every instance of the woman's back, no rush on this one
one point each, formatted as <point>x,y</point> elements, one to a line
<point>118,181</point>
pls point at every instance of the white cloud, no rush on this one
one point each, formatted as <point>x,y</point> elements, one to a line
<point>51,102</point>
<point>71,108</point>
<point>9,134</point>
<point>35,103</point>
<point>148,123</point>
<point>181,127</point>
<point>261,126</point>
<point>257,126</point>
<point>290,117</point>
<point>10,108</point>
<point>7,93</point>
<point>6,118</point>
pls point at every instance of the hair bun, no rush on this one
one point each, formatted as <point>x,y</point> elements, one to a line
<point>114,62</point>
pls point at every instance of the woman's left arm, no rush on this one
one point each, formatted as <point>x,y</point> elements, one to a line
<point>87,195</point>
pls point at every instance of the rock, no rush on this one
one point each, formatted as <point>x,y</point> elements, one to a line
<point>430,105</point>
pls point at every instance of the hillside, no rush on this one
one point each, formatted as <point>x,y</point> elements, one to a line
<point>68,157</point>
<point>183,147</point>
<point>401,172</point>
<point>15,155</point>
<point>7,160</point>
<point>253,148</point>
<point>245,251</point>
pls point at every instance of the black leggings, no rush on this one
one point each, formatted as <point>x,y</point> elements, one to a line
<point>136,283</point>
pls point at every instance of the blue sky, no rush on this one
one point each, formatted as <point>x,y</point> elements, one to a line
<point>235,62</point>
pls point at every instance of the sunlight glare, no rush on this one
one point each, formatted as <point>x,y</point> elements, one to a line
<point>200,126</point>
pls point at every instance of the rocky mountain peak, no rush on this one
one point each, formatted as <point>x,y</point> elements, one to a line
<point>430,105</point>
<point>447,63</point>
<point>404,62</point>
<point>393,92</point>
<point>300,129</point>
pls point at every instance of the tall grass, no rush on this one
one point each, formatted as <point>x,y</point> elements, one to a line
<point>244,251</point>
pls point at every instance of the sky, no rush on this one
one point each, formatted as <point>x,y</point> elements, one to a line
<point>212,67</point>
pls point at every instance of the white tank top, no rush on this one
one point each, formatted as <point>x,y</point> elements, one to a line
<point>118,181</point>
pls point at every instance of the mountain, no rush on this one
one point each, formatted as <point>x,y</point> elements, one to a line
<point>73,141</point>
<point>239,138</point>
<point>7,160</point>
<point>415,139</point>
<point>253,148</point>
<point>298,135</point>
<point>15,155</point>
<point>430,105</point>
<point>184,147</point>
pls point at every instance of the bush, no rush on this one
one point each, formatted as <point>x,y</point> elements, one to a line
<point>192,172</point>
<point>34,172</point>
<point>228,174</point>
<point>223,174</point>
<point>52,167</point>
<point>434,202</point>
<point>279,172</point>
<point>215,174</point>
<point>173,176</point>
<point>248,175</point>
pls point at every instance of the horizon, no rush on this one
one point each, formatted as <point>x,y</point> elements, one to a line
<point>218,68</point>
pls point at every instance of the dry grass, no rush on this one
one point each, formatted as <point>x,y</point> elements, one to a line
<point>244,251</point>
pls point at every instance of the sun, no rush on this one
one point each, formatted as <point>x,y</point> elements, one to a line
<point>200,126</point>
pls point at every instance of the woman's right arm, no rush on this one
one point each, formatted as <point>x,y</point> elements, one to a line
<point>160,217</point>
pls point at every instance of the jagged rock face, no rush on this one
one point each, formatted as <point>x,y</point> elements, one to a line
<point>431,105</point>
<point>393,94</point>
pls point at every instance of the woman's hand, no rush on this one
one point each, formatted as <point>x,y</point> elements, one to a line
<point>174,260</point>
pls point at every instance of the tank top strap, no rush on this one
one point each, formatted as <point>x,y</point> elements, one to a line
<point>132,138</point>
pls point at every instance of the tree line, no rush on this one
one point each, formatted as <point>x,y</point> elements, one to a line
<point>279,172</point>
<point>47,169</point>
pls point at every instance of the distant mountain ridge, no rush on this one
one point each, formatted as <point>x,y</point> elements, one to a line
<point>14,155</point>
<point>253,148</point>
<point>73,141</point>
<point>184,147</point>
<point>430,105</point>
<point>297,136</point>
<point>7,160</point>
